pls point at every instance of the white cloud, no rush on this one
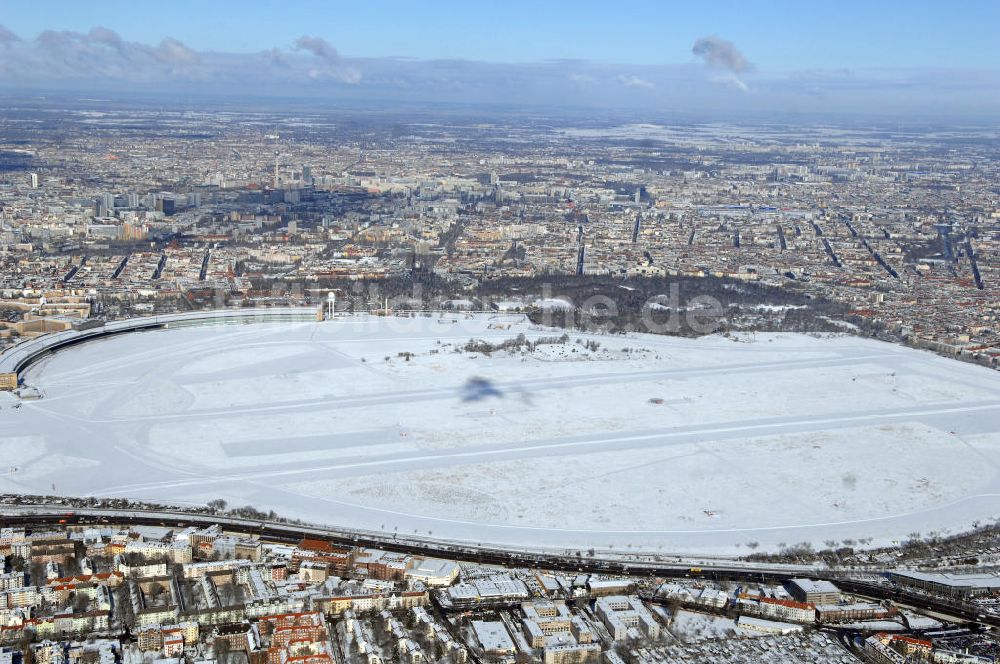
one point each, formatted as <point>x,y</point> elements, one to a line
<point>632,81</point>
<point>313,68</point>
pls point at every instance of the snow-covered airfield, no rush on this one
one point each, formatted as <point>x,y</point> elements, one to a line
<point>706,445</point>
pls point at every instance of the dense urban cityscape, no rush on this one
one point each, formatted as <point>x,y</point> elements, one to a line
<point>135,211</point>
<point>200,590</point>
<point>543,333</point>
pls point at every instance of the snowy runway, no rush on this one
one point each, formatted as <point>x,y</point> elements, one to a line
<point>709,445</point>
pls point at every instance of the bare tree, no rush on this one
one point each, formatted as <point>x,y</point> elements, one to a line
<point>221,648</point>
<point>156,589</point>
<point>80,602</point>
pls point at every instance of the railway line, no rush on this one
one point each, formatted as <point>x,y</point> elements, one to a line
<point>281,532</point>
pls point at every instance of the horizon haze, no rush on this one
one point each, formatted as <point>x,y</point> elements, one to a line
<point>643,57</point>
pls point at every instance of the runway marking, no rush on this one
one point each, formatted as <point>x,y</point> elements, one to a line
<point>536,384</point>
<point>838,421</point>
<point>143,471</point>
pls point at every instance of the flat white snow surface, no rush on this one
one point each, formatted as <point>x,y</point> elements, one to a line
<point>710,445</point>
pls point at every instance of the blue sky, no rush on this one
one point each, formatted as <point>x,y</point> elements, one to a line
<point>776,35</point>
<point>833,56</point>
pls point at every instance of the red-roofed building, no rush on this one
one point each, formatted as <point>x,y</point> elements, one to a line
<point>339,559</point>
<point>912,646</point>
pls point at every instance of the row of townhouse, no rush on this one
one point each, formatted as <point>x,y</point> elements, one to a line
<point>50,626</point>
<point>884,648</point>
<point>171,640</point>
<point>779,609</point>
<point>370,601</point>
<point>12,580</point>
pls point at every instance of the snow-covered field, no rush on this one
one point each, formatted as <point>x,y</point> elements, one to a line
<point>645,442</point>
